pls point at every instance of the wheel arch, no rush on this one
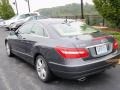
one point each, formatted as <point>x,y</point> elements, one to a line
<point>35,56</point>
<point>38,51</point>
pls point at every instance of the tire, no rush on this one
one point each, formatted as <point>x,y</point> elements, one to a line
<point>8,50</point>
<point>42,69</point>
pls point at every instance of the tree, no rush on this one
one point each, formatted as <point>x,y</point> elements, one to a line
<point>68,10</point>
<point>110,10</point>
<point>6,11</point>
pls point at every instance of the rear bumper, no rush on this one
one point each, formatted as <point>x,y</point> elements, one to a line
<point>84,73</point>
<point>86,69</point>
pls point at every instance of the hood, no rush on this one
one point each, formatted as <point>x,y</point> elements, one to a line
<point>8,22</point>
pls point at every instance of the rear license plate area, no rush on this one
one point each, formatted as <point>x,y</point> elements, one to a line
<point>102,49</point>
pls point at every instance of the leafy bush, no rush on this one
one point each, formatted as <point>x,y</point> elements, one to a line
<point>6,11</point>
<point>114,33</point>
<point>110,10</point>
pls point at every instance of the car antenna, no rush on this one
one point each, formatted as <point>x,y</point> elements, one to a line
<point>66,20</point>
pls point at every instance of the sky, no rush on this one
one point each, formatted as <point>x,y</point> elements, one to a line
<point>39,4</point>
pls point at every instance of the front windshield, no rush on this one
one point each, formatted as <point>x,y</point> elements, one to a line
<point>14,17</point>
<point>24,16</point>
<point>74,28</point>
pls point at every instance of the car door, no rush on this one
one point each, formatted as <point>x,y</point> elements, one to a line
<point>21,40</point>
<point>35,36</point>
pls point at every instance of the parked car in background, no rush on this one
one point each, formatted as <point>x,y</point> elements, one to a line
<point>1,22</point>
<point>67,49</point>
<point>16,25</point>
<point>17,18</point>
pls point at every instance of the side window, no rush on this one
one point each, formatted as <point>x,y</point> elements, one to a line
<point>38,30</point>
<point>26,28</point>
<point>21,16</point>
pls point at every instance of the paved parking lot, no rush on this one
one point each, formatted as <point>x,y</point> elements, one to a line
<point>15,74</point>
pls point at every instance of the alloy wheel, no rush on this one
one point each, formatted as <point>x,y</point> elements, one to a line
<point>40,66</point>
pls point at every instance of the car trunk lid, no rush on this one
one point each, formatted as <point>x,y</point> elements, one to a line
<point>97,43</point>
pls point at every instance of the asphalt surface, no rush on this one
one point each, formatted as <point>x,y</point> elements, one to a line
<point>15,74</point>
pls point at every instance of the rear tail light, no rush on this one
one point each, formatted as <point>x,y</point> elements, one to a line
<point>115,44</point>
<point>100,38</point>
<point>72,52</point>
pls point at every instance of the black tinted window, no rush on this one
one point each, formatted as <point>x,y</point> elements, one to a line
<point>26,28</point>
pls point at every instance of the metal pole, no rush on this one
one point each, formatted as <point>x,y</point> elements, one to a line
<point>28,5</point>
<point>16,6</point>
<point>103,22</point>
<point>82,12</point>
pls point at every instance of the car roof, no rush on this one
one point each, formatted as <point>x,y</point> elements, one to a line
<point>55,20</point>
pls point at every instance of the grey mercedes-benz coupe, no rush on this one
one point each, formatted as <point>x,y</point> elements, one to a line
<point>68,49</point>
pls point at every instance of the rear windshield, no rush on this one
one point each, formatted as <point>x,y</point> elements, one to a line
<point>74,28</point>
